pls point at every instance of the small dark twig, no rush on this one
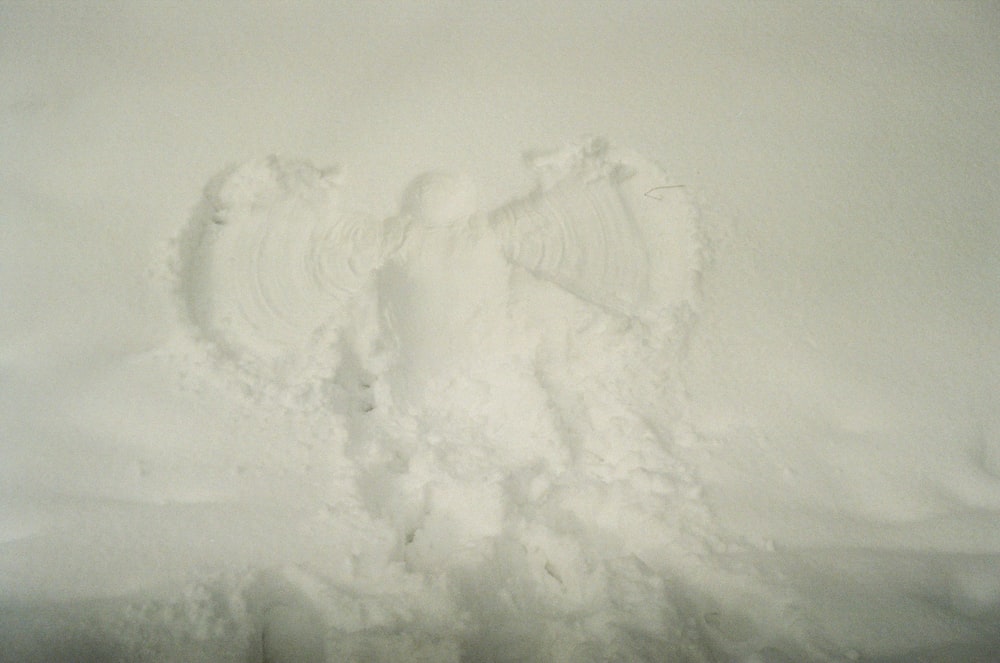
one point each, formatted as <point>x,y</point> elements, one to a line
<point>648,194</point>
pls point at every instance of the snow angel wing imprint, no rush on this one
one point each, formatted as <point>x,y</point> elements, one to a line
<point>606,225</point>
<point>275,264</point>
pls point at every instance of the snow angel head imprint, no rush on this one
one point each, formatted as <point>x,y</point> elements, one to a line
<point>439,199</point>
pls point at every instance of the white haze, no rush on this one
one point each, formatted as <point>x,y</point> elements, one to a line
<point>824,481</point>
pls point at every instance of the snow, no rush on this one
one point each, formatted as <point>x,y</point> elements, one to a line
<point>499,332</point>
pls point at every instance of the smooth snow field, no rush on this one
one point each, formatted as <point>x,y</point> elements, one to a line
<point>499,331</point>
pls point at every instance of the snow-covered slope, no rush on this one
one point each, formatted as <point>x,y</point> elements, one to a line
<point>449,378</point>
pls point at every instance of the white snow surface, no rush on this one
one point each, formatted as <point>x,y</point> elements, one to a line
<point>522,331</point>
